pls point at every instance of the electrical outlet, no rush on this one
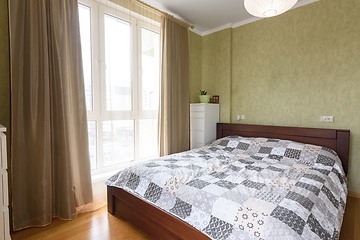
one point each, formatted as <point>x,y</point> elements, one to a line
<point>326,118</point>
<point>240,117</point>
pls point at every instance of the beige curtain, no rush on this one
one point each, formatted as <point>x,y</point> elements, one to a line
<point>174,111</point>
<point>50,168</point>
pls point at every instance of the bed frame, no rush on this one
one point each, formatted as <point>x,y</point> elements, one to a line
<point>161,225</point>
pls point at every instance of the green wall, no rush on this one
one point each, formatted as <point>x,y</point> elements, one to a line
<point>4,69</point>
<point>195,59</point>
<point>210,68</point>
<point>290,70</point>
<point>216,69</point>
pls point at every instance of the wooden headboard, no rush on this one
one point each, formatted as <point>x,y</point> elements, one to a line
<point>337,140</point>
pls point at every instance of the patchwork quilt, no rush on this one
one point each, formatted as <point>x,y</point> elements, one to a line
<point>246,188</point>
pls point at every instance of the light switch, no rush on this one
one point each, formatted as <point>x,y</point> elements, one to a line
<point>326,118</point>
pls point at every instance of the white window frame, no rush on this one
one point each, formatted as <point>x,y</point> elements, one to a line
<point>99,112</point>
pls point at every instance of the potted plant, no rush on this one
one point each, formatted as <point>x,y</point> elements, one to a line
<point>203,97</point>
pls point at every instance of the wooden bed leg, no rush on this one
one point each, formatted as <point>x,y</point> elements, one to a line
<point>110,200</point>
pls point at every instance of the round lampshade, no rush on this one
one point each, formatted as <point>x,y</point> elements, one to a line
<point>268,8</point>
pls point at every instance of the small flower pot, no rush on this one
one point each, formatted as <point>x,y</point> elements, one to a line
<point>204,98</point>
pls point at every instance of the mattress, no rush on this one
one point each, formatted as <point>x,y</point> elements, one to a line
<point>246,188</point>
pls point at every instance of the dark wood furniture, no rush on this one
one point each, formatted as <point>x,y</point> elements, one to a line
<point>337,140</point>
<point>161,225</point>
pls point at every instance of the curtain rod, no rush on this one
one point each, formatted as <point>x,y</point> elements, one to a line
<point>158,11</point>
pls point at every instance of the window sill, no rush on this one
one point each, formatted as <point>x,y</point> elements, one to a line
<point>105,175</point>
<point>102,177</point>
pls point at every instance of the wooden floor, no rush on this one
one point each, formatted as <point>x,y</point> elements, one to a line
<point>92,225</point>
<point>101,225</point>
<point>351,224</point>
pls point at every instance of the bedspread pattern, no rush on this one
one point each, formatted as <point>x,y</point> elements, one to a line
<point>246,188</point>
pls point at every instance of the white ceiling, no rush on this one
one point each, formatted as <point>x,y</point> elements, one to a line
<point>210,15</point>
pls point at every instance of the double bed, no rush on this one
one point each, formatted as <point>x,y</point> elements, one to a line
<point>253,182</point>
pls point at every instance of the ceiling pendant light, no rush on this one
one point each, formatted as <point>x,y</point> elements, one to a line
<point>268,8</point>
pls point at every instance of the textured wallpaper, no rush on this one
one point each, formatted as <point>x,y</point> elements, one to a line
<point>4,68</point>
<point>195,43</point>
<point>216,69</point>
<point>291,69</point>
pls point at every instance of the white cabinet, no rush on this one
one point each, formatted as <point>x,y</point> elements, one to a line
<point>203,119</point>
<point>4,201</point>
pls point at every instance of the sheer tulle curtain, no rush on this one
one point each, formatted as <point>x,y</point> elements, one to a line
<point>174,112</point>
<point>116,115</point>
<point>50,169</point>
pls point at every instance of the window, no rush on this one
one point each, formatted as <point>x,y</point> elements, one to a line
<point>121,74</point>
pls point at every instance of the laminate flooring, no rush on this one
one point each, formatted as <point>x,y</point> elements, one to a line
<point>92,225</point>
<point>351,224</point>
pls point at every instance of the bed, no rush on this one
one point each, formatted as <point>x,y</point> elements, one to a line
<point>168,222</point>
